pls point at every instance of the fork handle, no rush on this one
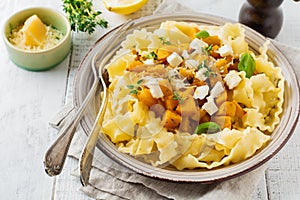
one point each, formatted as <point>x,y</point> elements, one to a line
<point>56,155</point>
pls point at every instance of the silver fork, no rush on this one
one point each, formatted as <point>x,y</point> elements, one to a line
<point>86,158</point>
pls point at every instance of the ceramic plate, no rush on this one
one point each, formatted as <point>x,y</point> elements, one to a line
<point>279,137</point>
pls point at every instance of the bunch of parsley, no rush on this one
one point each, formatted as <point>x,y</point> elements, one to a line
<point>82,16</point>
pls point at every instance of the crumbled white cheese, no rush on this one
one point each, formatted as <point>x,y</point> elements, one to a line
<point>177,84</point>
<point>154,87</point>
<point>185,54</point>
<point>173,72</point>
<point>174,59</point>
<point>225,50</point>
<point>201,92</point>
<point>232,79</point>
<point>148,62</point>
<point>198,44</point>
<point>217,90</point>
<point>192,64</point>
<point>201,74</point>
<point>210,106</point>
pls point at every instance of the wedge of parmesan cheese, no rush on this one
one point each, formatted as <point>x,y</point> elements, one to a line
<point>34,31</point>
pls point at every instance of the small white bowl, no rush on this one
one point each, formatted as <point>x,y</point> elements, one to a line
<point>44,59</point>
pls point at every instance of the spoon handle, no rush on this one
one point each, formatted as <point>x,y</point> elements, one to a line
<point>56,155</point>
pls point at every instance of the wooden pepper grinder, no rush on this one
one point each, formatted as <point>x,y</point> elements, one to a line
<point>264,16</point>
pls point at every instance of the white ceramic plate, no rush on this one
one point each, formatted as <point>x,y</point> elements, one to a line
<point>279,137</point>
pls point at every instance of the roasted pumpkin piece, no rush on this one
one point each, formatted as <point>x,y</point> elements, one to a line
<point>170,102</point>
<point>134,64</point>
<point>145,97</point>
<point>239,110</point>
<point>214,52</point>
<point>221,62</point>
<point>212,40</point>
<point>198,82</point>
<point>162,54</point>
<point>227,108</point>
<point>222,65</point>
<point>223,121</point>
<point>167,91</point>
<point>188,107</point>
<point>204,116</point>
<point>188,73</point>
<point>171,120</point>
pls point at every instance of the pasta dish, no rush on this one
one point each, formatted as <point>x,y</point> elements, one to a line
<point>192,96</point>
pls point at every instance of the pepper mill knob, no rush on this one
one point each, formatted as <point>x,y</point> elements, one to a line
<point>264,16</point>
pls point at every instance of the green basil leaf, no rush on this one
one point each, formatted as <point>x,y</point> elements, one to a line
<point>202,34</point>
<point>247,64</point>
<point>207,127</point>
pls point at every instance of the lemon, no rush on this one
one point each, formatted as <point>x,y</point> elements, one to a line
<point>124,7</point>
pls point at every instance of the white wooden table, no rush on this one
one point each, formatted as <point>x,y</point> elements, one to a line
<point>29,99</point>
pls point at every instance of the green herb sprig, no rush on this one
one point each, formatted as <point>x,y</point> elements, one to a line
<point>82,16</point>
<point>151,55</point>
<point>164,41</point>
<point>209,71</point>
<point>180,99</point>
<point>206,50</point>
<point>134,88</point>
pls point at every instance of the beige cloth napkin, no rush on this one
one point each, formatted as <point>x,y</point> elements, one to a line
<point>109,180</point>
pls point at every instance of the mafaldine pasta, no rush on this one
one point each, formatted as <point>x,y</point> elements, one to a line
<point>192,96</point>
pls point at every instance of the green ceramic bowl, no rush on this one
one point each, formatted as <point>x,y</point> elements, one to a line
<point>44,59</point>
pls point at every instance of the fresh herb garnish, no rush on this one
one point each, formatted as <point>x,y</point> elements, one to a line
<point>207,49</point>
<point>134,88</point>
<point>247,64</point>
<point>202,34</point>
<point>151,55</point>
<point>164,41</point>
<point>82,16</point>
<point>208,71</point>
<point>177,97</point>
<point>207,127</point>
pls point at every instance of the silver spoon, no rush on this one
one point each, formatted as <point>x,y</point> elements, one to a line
<point>86,158</point>
<point>56,154</point>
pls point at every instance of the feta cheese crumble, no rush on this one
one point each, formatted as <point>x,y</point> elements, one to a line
<point>192,64</point>
<point>210,106</point>
<point>225,50</point>
<point>200,74</point>
<point>232,79</point>
<point>198,44</point>
<point>174,59</point>
<point>201,92</point>
<point>154,87</point>
<point>217,90</point>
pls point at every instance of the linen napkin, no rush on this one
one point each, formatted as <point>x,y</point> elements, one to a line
<point>109,180</point>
